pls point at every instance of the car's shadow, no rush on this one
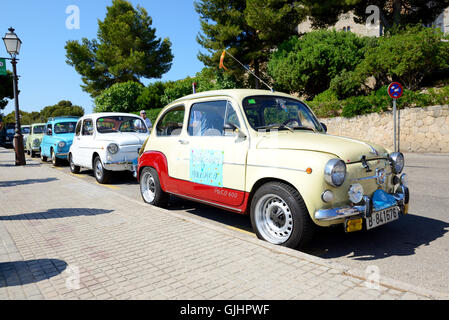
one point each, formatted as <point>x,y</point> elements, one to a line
<point>398,238</point>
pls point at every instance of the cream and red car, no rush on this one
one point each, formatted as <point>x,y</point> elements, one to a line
<point>266,154</point>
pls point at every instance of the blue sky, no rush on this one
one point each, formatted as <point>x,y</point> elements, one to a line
<point>45,77</point>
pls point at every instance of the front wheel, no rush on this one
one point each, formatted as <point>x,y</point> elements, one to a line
<point>280,216</point>
<point>55,160</point>
<point>150,188</point>
<point>101,174</point>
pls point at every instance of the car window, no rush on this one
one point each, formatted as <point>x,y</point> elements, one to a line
<point>64,127</point>
<point>10,131</point>
<point>78,128</point>
<point>121,124</point>
<point>25,130</point>
<point>209,118</point>
<point>88,128</point>
<point>38,129</point>
<point>170,124</point>
<point>272,112</point>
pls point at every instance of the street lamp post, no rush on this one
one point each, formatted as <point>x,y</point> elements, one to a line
<point>12,44</point>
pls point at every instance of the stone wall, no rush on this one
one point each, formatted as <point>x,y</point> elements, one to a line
<point>421,129</point>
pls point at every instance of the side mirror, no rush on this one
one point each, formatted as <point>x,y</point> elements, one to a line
<point>324,126</point>
<point>48,132</point>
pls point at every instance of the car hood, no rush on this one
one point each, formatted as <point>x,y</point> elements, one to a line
<point>67,137</point>
<point>347,149</point>
<point>123,138</point>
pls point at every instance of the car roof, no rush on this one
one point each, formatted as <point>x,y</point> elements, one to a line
<point>238,94</point>
<point>63,119</point>
<point>38,124</point>
<point>106,114</point>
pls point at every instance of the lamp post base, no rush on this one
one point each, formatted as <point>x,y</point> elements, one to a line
<point>20,152</point>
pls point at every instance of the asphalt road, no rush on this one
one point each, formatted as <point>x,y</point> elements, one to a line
<point>414,249</point>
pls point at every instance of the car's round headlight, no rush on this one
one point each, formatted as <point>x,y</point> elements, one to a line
<point>355,193</point>
<point>397,162</point>
<point>113,148</point>
<point>61,144</point>
<point>36,142</point>
<point>335,172</point>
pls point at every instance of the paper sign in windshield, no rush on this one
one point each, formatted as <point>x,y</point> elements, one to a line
<point>206,167</point>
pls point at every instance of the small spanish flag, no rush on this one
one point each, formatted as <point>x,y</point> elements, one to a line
<point>221,65</point>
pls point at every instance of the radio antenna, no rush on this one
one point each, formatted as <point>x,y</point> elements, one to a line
<point>247,69</point>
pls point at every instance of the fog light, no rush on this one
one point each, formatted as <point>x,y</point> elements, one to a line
<point>355,193</point>
<point>327,196</point>
<point>404,180</point>
<point>352,225</point>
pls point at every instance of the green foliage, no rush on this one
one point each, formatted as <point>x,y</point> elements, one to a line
<point>151,113</point>
<point>62,108</point>
<point>151,96</point>
<point>120,97</point>
<point>177,89</point>
<point>407,55</point>
<point>127,49</point>
<point>307,64</point>
<point>326,105</point>
<point>247,29</point>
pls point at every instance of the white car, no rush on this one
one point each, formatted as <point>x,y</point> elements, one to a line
<point>107,142</point>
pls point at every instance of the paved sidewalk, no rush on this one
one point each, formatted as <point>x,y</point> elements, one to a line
<point>64,238</point>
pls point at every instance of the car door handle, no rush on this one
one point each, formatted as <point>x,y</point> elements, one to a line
<point>183,141</point>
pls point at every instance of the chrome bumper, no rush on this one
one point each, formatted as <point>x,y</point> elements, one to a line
<point>380,200</point>
<point>122,166</point>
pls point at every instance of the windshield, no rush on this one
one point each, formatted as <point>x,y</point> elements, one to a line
<point>38,129</point>
<point>10,131</point>
<point>271,112</point>
<point>121,124</point>
<point>25,130</point>
<point>64,127</point>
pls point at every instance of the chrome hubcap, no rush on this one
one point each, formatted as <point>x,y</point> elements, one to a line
<point>98,169</point>
<point>148,187</point>
<point>274,219</point>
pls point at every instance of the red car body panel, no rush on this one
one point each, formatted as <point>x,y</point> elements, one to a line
<point>228,199</point>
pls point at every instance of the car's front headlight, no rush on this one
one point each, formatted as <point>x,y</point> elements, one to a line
<point>36,142</point>
<point>61,144</point>
<point>113,148</point>
<point>335,172</point>
<point>397,162</point>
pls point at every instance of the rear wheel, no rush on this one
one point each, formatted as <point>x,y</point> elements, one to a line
<point>101,174</point>
<point>43,158</point>
<point>150,188</point>
<point>73,168</point>
<point>279,215</point>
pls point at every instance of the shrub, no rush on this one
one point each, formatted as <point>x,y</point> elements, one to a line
<point>120,97</point>
<point>307,64</point>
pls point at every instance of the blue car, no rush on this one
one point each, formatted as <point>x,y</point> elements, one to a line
<point>58,138</point>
